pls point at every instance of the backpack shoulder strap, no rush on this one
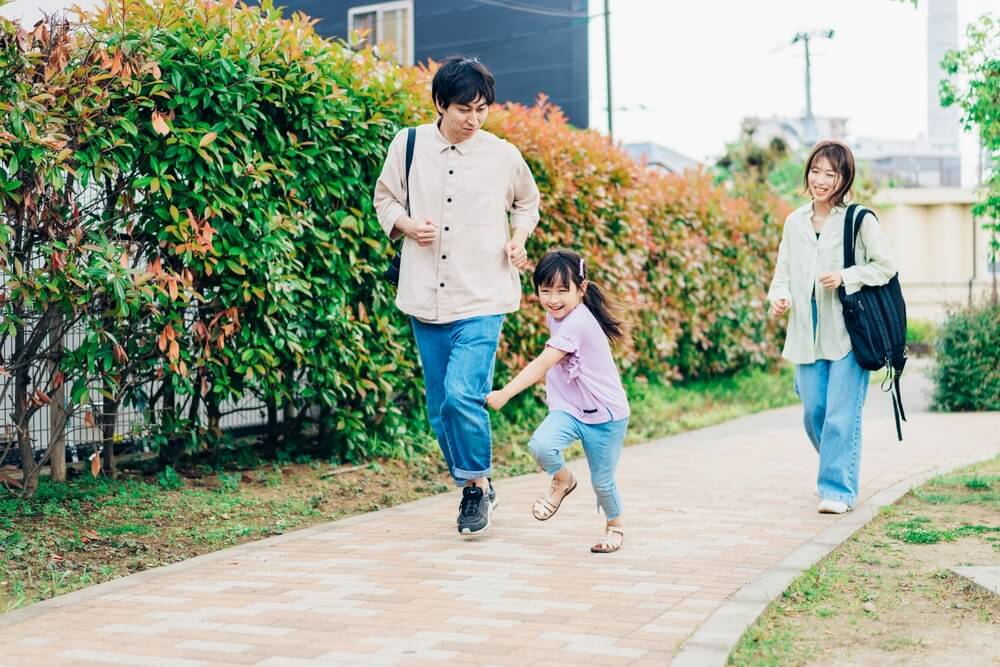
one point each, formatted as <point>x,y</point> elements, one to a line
<point>850,235</point>
<point>411,140</point>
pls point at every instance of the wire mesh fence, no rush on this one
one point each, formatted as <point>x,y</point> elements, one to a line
<point>82,432</point>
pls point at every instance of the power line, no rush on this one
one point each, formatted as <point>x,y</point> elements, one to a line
<point>543,11</point>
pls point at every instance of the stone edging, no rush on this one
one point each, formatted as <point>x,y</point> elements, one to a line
<point>715,639</point>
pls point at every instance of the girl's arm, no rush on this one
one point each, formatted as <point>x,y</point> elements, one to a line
<point>529,376</point>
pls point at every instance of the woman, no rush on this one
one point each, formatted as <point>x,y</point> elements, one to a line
<point>809,270</point>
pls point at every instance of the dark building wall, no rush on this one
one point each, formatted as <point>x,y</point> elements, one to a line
<point>529,53</point>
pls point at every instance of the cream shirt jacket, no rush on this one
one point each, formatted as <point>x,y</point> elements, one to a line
<point>801,258</point>
<point>474,191</point>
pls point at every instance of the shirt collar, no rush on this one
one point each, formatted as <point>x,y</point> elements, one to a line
<point>443,144</point>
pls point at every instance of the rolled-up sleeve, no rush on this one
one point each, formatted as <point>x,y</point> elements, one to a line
<point>390,189</point>
<point>524,204</point>
<point>877,268</point>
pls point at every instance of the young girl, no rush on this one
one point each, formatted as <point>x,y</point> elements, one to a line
<point>584,391</point>
<point>809,270</point>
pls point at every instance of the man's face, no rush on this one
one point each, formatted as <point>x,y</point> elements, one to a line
<point>460,121</point>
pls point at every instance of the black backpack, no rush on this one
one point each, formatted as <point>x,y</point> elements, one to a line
<point>876,320</point>
<point>392,273</point>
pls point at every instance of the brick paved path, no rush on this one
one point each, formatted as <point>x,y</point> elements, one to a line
<point>706,512</point>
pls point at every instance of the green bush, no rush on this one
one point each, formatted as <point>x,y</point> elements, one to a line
<point>921,332</point>
<point>967,374</point>
<point>233,251</point>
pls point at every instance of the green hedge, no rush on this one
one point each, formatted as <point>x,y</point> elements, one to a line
<point>235,153</point>
<point>967,371</point>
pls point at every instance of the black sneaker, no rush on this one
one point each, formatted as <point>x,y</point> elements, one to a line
<point>474,511</point>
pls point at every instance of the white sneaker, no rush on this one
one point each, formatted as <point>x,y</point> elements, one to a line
<point>833,507</point>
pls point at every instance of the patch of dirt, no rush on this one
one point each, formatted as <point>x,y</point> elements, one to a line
<point>886,602</point>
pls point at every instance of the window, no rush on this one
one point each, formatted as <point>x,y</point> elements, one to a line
<point>388,25</point>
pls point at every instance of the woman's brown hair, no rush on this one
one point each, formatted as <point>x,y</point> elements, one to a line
<point>842,160</point>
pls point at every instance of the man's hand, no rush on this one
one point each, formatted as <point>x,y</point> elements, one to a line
<point>496,400</point>
<point>424,232</point>
<point>831,280</point>
<point>779,307</point>
<point>516,254</point>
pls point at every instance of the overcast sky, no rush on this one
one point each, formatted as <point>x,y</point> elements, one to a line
<point>699,67</point>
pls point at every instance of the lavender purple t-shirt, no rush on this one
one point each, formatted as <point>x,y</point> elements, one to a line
<point>586,383</point>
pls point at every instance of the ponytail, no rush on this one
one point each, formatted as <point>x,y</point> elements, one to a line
<point>604,312</point>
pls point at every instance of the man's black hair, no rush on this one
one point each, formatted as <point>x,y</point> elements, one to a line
<point>461,81</point>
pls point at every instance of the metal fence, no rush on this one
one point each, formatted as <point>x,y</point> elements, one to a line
<point>82,431</point>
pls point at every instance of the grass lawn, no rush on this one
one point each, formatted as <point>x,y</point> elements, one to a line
<point>886,596</point>
<point>89,531</point>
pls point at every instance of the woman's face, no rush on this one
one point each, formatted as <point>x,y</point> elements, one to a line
<point>823,180</point>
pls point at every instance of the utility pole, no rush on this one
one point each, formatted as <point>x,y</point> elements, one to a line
<point>607,67</point>
<point>810,121</point>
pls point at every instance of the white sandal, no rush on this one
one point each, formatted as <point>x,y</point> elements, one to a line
<point>546,506</point>
<point>614,537</point>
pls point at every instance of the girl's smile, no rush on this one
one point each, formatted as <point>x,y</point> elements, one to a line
<point>560,300</point>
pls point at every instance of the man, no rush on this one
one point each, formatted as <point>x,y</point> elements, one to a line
<point>460,261</point>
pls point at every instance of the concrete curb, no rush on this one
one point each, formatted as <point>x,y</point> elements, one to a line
<point>986,578</point>
<point>715,639</point>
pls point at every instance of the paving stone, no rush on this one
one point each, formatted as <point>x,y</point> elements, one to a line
<point>718,522</point>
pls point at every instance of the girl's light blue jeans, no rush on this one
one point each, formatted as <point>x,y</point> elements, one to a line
<point>833,396</point>
<point>602,444</point>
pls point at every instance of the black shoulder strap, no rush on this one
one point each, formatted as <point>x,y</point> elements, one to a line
<point>850,235</point>
<point>411,140</point>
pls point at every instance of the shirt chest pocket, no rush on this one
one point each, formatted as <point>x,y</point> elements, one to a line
<point>485,208</point>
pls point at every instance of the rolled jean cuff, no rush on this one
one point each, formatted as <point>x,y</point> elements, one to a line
<point>840,498</point>
<point>463,476</point>
<point>553,469</point>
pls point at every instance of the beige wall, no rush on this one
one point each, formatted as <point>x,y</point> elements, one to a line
<point>931,234</point>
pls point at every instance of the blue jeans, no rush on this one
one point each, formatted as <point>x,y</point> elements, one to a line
<point>458,360</point>
<point>833,396</point>
<point>602,443</point>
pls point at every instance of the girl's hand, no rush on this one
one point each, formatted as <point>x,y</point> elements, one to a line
<point>779,307</point>
<point>496,400</point>
<point>831,280</point>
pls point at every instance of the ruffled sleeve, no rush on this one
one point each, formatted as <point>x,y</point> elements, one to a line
<point>571,362</point>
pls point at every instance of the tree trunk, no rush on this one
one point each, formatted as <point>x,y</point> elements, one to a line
<point>109,419</point>
<point>21,421</point>
<point>57,407</point>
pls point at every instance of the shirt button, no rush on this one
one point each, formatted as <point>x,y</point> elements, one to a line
<point>449,200</point>
<point>451,171</point>
<point>452,148</point>
<point>444,256</point>
<point>442,284</point>
<point>447,228</point>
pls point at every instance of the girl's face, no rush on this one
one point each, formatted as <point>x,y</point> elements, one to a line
<point>560,300</point>
<point>823,180</point>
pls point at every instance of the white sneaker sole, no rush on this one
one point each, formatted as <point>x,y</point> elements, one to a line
<point>465,532</point>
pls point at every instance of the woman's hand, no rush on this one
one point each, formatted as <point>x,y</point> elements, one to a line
<point>831,280</point>
<point>779,307</point>
<point>496,400</point>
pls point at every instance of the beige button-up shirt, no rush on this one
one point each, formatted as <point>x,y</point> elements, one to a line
<point>801,258</point>
<point>474,191</point>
